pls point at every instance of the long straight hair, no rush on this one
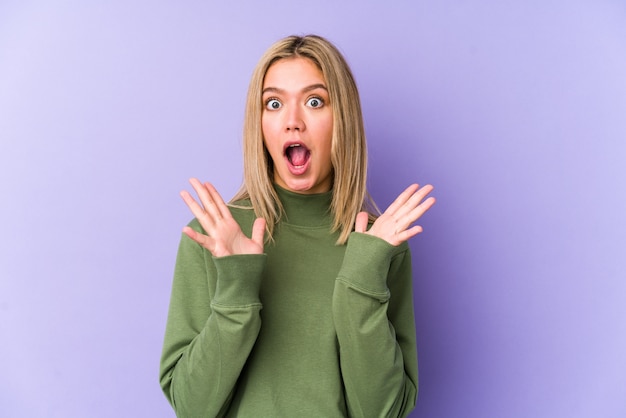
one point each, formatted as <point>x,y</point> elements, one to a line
<point>348,150</point>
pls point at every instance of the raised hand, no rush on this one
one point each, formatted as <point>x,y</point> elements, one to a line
<point>394,226</point>
<point>224,236</point>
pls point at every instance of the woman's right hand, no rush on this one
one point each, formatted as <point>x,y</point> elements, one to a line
<point>224,235</point>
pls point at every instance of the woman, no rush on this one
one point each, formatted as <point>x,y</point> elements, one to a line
<point>295,299</point>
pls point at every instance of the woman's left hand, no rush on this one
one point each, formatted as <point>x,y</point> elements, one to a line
<point>394,226</point>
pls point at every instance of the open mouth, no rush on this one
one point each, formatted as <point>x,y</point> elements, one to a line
<point>297,155</point>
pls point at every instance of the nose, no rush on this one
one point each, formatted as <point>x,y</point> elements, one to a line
<point>294,119</point>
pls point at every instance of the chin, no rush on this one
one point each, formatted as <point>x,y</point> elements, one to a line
<point>303,186</point>
<point>299,187</point>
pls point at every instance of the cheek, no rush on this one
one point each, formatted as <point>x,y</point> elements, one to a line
<point>269,128</point>
<point>329,135</point>
<point>267,134</point>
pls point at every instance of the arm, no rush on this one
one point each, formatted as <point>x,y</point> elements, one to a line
<point>212,325</point>
<point>213,318</point>
<point>373,310</point>
<point>373,314</point>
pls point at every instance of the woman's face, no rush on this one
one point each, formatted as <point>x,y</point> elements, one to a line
<point>297,124</point>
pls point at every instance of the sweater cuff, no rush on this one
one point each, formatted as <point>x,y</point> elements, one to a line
<point>366,264</point>
<point>239,279</point>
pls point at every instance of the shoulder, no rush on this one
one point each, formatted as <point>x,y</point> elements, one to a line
<point>241,208</point>
<point>243,213</point>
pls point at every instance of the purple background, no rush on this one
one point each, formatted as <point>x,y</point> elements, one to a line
<point>515,111</point>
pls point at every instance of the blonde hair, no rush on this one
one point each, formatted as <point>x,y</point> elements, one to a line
<point>349,149</point>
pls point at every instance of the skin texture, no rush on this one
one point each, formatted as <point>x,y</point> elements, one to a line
<point>394,225</point>
<point>298,111</point>
<point>224,234</point>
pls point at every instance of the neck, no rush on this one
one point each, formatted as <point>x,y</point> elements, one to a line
<point>308,210</point>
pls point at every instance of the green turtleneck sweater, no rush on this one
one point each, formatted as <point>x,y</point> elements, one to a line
<point>308,329</point>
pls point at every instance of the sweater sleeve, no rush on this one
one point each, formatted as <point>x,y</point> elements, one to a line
<point>212,325</point>
<point>373,315</point>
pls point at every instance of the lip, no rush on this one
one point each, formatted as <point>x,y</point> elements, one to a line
<point>290,143</point>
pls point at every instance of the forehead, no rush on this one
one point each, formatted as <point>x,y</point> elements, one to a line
<point>293,73</point>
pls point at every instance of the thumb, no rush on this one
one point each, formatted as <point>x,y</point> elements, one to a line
<point>258,231</point>
<point>360,225</point>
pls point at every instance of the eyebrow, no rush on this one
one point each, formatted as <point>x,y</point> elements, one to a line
<point>304,90</point>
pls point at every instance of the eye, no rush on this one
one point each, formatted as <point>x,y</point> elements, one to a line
<point>272,104</point>
<point>315,102</point>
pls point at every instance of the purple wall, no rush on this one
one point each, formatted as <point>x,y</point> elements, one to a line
<point>517,113</point>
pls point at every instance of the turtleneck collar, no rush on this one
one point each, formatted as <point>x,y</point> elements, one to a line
<point>308,210</point>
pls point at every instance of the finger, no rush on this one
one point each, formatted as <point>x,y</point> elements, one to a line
<point>417,212</point>
<point>410,233</point>
<point>412,208</point>
<point>217,199</point>
<point>196,209</point>
<point>360,224</point>
<point>414,200</point>
<point>400,236</point>
<point>402,199</point>
<point>258,231</point>
<point>420,194</point>
<point>206,199</point>
<point>203,240</point>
